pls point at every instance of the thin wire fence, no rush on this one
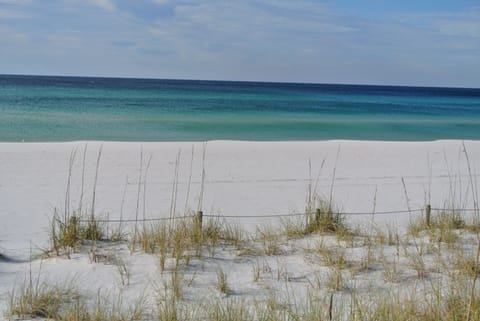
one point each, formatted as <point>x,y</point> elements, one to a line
<point>140,220</point>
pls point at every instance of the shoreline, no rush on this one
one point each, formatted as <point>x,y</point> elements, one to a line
<point>82,141</point>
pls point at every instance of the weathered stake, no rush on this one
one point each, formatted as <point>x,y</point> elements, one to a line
<point>428,211</point>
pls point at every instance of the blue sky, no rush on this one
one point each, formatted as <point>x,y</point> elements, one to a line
<point>345,41</point>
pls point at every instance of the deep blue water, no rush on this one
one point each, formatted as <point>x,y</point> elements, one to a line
<point>41,108</point>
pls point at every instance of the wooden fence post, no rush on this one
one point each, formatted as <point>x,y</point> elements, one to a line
<point>428,212</point>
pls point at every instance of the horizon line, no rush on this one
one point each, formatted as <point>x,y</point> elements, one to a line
<point>240,81</point>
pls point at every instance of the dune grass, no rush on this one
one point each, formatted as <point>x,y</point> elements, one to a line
<point>39,300</point>
<point>63,302</point>
<point>430,273</point>
<point>331,295</point>
<point>344,257</point>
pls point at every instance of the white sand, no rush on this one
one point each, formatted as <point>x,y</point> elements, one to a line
<point>242,178</point>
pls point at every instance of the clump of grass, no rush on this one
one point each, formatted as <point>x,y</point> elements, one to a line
<point>270,240</point>
<point>34,299</point>
<point>335,281</point>
<point>70,229</point>
<point>445,220</point>
<point>103,309</point>
<point>180,241</point>
<point>123,272</point>
<point>210,235</point>
<point>391,271</point>
<point>325,219</point>
<point>315,309</point>
<point>417,263</point>
<point>40,299</point>
<point>334,257</point>
<point>233,234</point>
<point>222,282</point>
<point>256,271</point>
<point>93,231</point>
<point>321,214</point>
<point>169,310</point>
<point>67,236</point>
<point>231,310</point>
<point>147,239</point>
<point>162,246</point>
<point>453,306</point>
<point>466,263</point>
<point>183,237</point>
<point>215,230</point>
<point>117,235</point>
<point>177,284</point>
<point>450,219</point>
<point>293,227</point>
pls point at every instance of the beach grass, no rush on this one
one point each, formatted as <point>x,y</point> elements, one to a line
<point>410,256</point>
<point>312,266</point>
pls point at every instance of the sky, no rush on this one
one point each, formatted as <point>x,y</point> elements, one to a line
<point>391,42</point>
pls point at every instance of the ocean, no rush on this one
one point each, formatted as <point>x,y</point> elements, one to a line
<point>45,108</point>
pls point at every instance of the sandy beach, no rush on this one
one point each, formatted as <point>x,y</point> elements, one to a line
<point>239,160</point>
<point>244,181</point>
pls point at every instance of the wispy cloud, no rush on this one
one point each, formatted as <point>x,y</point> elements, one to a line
<point>304,40</point>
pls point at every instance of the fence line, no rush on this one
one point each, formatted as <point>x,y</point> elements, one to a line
<point>456,209</point>
<point>138,220</point>
<point>275,215</point>
<point>303,214</point>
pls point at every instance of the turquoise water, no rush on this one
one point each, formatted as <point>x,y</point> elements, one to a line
<point>71,108</point>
